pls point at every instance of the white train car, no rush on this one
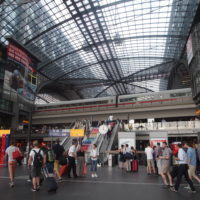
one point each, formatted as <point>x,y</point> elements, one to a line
<point>163,98</point>
<point>168,97</point>
<point>85,105</point>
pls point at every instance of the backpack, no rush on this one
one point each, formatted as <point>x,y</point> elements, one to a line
<point>38,159</point>
<point>50,156</point>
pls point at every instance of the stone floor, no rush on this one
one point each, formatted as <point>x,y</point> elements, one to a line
<point>112,184</point>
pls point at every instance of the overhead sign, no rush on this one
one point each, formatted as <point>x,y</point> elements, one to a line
<point>4,132</point>
<point>76,132</point>
<point>59,132</point>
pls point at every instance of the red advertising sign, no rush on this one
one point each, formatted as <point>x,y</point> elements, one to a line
<point>20,56</point>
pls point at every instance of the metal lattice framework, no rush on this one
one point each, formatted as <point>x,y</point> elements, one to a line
<point>115,46</point>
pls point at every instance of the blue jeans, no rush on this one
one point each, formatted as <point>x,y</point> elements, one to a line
<point>94,166</point>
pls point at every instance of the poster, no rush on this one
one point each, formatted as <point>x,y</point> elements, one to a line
<point>158,137</point>
<point>127,138</point>
<point>76,132</point>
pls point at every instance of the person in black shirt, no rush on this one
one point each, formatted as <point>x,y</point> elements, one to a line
<point>80,161</point>
<point>58,151</point>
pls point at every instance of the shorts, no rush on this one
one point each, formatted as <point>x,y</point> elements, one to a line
<point>165,169</point>
<point>150,163</point>
<point>192,171</point>
<point>35,172</point>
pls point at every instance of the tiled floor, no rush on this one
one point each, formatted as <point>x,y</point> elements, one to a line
<point>112,184</point>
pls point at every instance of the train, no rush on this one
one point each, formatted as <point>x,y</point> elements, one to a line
<point>131,101</point>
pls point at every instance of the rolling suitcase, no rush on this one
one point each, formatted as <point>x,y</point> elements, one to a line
<point>51,183</point>
<point>134,166</point>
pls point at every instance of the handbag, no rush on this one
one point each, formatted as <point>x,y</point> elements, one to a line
<point>16,154</point>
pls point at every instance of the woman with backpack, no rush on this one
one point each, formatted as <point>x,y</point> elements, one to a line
<point>37,160</point>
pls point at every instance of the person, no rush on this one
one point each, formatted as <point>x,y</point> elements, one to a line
<point>128,157</point>
<point>72,159</point>
<point>192,161</point>
<point>182,170</point>
<point>11,162</point>
<point>58,151</point>
<point>94,158</point>
<point>155,159</point>
<point>158,152</point>
<point>80,161</point>
<point>122,159</point>
<point>36,161</point>
<point>150,162</point>
<point>165,166</point>
<point>50,159</point>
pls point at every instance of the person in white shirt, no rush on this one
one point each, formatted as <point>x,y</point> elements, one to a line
<point>150,161</point>
<point>94,158</point>
<point>11,162</point>
<point>72,159</point>
<point>182,170</point>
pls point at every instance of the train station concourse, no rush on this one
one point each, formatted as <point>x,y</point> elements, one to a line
<point>100,99</point>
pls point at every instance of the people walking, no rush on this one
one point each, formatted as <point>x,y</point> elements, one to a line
<point>12,152</point>
<point>165,166</point>
<point>58,151</point>
<point>72,159</point>
<point>94,158</point>
<point>80,161</point>
<point>182,170</point>
<point>50,159</point>
<point>150,162</point>
<point>158,152</point>
<point>37,160</point>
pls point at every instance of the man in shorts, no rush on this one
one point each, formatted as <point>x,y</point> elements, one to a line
<point>150,161</point>
<point>11,162</point>
<point>165,166</point>
<point>192,161</point>
<point>36,166</point>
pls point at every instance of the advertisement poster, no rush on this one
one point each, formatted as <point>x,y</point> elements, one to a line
<point>158,137</point>
<point>20,77</point>
<point>127,138</point>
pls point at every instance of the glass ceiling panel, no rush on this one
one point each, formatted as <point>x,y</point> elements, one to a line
<point>100,39</point>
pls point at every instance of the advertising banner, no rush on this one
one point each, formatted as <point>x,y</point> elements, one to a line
<point>59,132</point>
<point>19,76</point>
<point>4,132</point>
<point>127,138</point>
<point>76,132</point>
<point>158,137</point>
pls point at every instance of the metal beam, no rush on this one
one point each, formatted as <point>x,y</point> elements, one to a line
<point>101,43</point>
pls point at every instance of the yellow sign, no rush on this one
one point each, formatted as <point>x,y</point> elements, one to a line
<point>76,132</point>
<point>4,132</point>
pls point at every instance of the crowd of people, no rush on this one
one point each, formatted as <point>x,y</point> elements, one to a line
<point>183,161</point>
<point>51,158</point>
<point>170,164</point>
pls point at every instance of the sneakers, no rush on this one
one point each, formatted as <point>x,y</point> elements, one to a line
<point>173,189</point>
<point>187,187</point>
<point>29,180</point>
<point>33,190</point>
<point>93,176</point>
<point>11,184</point>
<point>191,191</point>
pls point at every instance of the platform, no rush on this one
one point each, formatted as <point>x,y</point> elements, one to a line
<point>112,184</point>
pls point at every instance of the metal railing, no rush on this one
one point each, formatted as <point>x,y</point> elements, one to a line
<point>177,125</point>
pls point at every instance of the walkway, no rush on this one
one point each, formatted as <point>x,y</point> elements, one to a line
<point>113,184</point>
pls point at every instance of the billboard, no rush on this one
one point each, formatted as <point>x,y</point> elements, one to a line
<point>20,76</point>
<point>189,50</point>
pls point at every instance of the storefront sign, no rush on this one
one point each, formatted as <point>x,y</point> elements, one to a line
<point>59,132</point>
<point>76,132</point>
<point>4,132</point>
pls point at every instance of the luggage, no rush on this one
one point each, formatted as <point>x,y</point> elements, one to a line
<point>63,170</point>
<point>51,183</point>
<point>134,166</point>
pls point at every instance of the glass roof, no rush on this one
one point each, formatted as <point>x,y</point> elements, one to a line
<point>113,43</point>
